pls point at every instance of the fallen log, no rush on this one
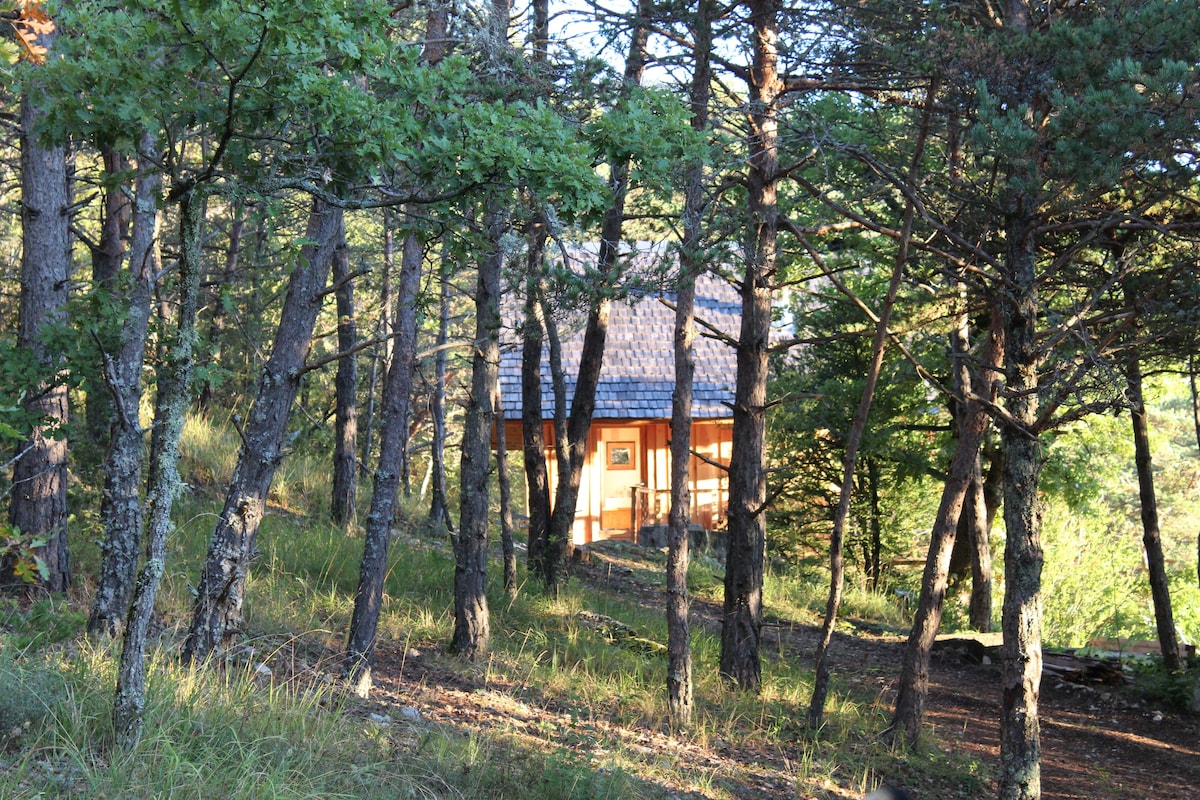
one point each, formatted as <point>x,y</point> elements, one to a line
<point>1074,668</point>
<point>1069,666</point>
<point>974,648</point>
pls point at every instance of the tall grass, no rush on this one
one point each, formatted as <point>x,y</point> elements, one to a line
<point>248,728</point>
<point>230,735</point>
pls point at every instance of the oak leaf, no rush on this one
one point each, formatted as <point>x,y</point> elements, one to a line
<point>31,24</point>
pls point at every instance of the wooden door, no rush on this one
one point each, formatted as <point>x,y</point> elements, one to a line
<point>621,456</point>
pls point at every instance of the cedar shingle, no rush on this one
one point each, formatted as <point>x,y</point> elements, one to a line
<point>638,376</point>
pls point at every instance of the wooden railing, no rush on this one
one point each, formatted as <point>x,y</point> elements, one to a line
<point>653,508</point>
<point>649,508</point>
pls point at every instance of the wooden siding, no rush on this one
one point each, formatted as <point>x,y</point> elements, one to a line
<point>608,509</point>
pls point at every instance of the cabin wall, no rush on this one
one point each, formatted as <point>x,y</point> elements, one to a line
<point>621,454</point>
<point>712,439</point>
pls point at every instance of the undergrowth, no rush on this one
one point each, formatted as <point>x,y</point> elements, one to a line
<point>242,729</point>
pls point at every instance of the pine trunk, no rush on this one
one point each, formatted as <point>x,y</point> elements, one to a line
<point>393,442</point>
<point>506,520</point>
<point>218,320</point>
<point>871,563</point>
<point>579,422</point>
<point>38,507</point>
<point>381,357</point>
<point>108,254</point>
<point>1168,640</point>
<point>345,449</point>
<point>679,642</point>
<point>680,691</point>
<point>471,618</point>
<point>1192,382</point>
<point>973,423</point>
<point>979,530</point>
<point>217,612</point>
<point>120,503</point>
<point>1019,775</point>
<point>741,627</point>
<point>163,484</point>
<point>591,359</point>
<point>439,511</point>
<point>533,439</point>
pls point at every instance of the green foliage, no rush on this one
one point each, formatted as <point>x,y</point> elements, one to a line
<point>282,86</point>
<point>46,621</point>
<point>21,552</point>
<point>523,145</point>
<point>8,56</point>
<point>1173,690</point>
<point>1185,604</point>
<point>906,437</point>
<point>1085,462</point>
<point>649,127</point>
<point>30,695</point>
<point>1086,101</point>
<point>20,374</point>
<point>1092,582</point>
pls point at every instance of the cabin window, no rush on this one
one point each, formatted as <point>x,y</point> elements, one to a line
<point>620,455</point>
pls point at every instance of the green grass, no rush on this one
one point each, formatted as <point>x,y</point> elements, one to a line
<point>228,731</point>
<point>232,736</point>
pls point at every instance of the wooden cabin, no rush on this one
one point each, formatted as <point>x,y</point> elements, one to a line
<point>627,474</point>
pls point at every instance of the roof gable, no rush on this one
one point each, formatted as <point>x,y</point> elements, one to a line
<point>638,375</point>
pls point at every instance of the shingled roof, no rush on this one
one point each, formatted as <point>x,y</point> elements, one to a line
<point>638,375</point>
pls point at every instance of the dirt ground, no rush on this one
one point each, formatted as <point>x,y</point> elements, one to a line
<point>1099,742</point>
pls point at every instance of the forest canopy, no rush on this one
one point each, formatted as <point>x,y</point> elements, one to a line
<point>309,230</point>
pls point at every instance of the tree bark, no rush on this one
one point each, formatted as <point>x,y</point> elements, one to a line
<point>541,31</point>
<point>741,627</point>
<point>439,511</point>
<point>393,442</point>
<point>558,380</point>
<point>679,642</point>
<point>973,421</point>
<point>1196,422</point>
<point>680,691</point>
<point>506,520</point>
<point>171,404</point>
<point>1168,640</point>
<point>987,499</point>
<point>471,618</point>
<point>228,276</point>
<point>972,554</point>
<point>343,504</point>
<point>38,508</point>
<point>381,357</point>
<point>533,440</point>
<point>979,530</point>
<point>120,503</point>
<point>1019,775</point>
<point>871,564</point>
<point>591,359</point>
<point>583,402</point>
<point>108,255</point>
<point>217,612</point>
<point>816,707</point>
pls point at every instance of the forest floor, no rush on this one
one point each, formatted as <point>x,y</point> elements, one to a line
<point>1099,742</point>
